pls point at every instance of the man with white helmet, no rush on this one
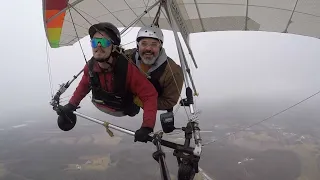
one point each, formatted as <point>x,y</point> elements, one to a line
<point>150,57</point>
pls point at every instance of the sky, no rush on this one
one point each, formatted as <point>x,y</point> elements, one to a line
<point>230,64</point>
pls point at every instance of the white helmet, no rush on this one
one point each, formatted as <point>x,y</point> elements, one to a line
<point>151,32</point>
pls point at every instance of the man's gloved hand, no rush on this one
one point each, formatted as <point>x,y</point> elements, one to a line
<point>142,134</point>
<point>66,120</point>
<point>66,109</point>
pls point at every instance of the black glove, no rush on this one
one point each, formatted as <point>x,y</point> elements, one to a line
<point>66,120</point>
<point>142,134</point>
<point>66,109</point>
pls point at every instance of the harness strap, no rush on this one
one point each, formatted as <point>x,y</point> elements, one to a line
<point>116,99</point>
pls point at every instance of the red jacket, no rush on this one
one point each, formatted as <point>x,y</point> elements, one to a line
<point>136,81</point>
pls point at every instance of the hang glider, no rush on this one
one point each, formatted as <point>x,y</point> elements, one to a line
<point>67,21</point>
<point>300,17</point>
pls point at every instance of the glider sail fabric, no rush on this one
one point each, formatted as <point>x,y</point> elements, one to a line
<point>54,15</point>
<point>284,16</point>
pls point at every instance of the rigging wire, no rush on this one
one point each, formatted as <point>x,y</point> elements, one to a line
<point>49,70</point>
<point>263,120</point>
<point>85,59</point>
<point>135,23</point>
<point>146,5</point>
<point>129,30</point>
<point>128,43</point>
<point>133,11</point>
<point>111,13</point>
<point>158,16</point>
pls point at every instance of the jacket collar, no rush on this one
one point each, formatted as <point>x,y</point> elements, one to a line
<point>162,58</point>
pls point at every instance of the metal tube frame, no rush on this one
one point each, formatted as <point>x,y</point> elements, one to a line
<point>166,143</point>
<point>139,17</point>
<point>180,151</point>
<point>183,61</point>
<point>196,130</point>
<point>159,156</point>
<point>187,156</point>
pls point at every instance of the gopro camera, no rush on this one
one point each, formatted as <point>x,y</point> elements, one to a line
<point>167,122</point>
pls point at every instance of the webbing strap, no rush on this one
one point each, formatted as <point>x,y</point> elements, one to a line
<point>106,125</point>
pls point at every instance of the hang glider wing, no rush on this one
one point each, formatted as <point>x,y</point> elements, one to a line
<point>301,17</point>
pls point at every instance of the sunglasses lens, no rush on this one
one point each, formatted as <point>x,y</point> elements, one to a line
<point>103,41</point>
<point>94,43</point>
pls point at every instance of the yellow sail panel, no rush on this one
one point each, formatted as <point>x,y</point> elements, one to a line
<point>54,17</point>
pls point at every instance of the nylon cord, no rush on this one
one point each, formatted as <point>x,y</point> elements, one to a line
<point>261,121</point>
<point>49,70</point>
<point>84,56</point>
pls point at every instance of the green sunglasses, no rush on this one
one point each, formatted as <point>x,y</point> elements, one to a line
<point>103,41</point>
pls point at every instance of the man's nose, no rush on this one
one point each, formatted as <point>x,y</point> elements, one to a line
<point>148,47</point>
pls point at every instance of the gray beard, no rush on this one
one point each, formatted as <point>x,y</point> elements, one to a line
<point>149,62</point>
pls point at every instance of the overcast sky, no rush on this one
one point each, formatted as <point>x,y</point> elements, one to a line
<point>231,64</point>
